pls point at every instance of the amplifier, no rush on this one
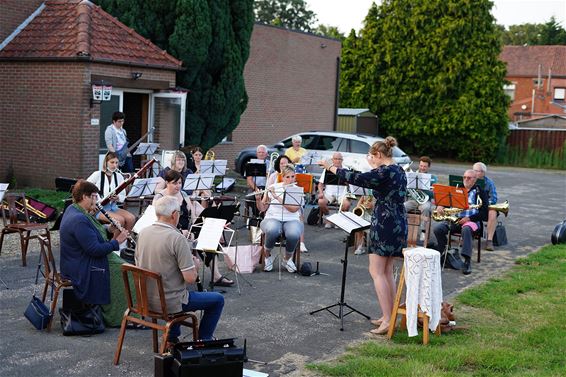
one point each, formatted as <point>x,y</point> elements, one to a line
<point>202,359</point>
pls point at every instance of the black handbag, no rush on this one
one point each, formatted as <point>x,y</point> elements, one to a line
<point>500,235</point>
<point>314,216</point>
<point>87,321</point>
<point>37,313</point>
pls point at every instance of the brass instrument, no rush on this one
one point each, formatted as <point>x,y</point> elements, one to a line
<point>500,207</point>
<point>347,195</point>
<point>450,213</point>
<point>271,166</point>
<point>418,196</point>
<point>210,155</point>
<point>362,208</point>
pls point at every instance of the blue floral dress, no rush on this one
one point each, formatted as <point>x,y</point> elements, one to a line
<point>388,232</point>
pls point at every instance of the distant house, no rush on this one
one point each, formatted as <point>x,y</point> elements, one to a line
<point>537,76</point>
<point>51,55</point>
<point>357,121</point>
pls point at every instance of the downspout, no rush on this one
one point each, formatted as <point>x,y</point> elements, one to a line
<point>337,95</point>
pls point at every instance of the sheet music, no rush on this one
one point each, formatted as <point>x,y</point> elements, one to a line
<point>146,148</point>
<point>215,167</point>
<point>3,188</point>
<point>348,222</point>
<point>143,187</point>
<point>419,181</point>
<point>256,161</point>
<point>198,182</point>
<point>147,219</point>
<point>210,234</point>
<point>293,196</point>
<point>360,191</point>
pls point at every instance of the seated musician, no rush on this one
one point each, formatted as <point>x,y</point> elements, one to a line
<point>162,248</point>
<point>206,194</point>
<point>296,152</point>
<point>480,168</point>
<point>329,194</point>
<point>425,208</point>
<point>255,183</point>
<point>467,223</point>
<point>189,212</point>
<point>87,256</point>
<point>107,180</point>
<point>178,163</point>
<point>280,219</point>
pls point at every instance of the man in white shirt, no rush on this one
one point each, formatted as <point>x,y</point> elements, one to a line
<point>328,194</point>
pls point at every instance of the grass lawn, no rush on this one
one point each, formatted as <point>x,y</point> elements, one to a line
<point>517,327</point>
<point>51,197</point>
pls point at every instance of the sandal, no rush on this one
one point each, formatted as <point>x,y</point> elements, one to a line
<point>224,282</point>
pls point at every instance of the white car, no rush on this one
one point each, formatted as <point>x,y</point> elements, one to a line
<point>322,144</point>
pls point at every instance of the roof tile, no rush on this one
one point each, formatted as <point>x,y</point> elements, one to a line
<point>71,28</point>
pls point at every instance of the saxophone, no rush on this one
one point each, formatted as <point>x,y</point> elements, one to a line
<point>451,214</point>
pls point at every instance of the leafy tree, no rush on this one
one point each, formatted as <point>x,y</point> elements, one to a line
<point>549,33</point>
<point>292,14</point>
<point>329,31</point>
<point>436,80</point>
<point>212,38</point>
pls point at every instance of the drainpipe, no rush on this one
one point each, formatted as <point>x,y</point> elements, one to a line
<point>337,96</point>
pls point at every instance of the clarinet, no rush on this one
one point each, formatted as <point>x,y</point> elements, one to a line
<point>127,182</point>
<point>115,223</point>
<point>198,282</point>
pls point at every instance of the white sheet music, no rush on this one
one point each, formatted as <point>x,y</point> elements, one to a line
<point>347,221</point>
<point>256,161</point>
<point>146,148</point>
<point>3,188</point>
<point>147,219</point>
<point>293,195</point>
<point>210,233</point>
<point>215,167</point>
<point>198,182</point>
<point>143,187</point>
<point>419,181</point>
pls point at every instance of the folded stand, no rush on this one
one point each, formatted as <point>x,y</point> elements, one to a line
<point>351,224</point>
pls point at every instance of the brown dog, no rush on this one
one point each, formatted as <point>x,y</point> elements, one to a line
<point>447,319</point>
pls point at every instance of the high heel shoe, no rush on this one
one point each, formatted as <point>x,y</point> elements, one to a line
<point>381,330</point>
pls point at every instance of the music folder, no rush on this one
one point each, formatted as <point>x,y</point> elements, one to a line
<point>448,196</point>
<point>256,168</point>
<point>349,222</point>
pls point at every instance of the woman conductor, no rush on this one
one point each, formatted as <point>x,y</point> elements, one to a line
<point>388,231</point>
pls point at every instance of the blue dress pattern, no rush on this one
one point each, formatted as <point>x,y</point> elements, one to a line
<point>388,231</point>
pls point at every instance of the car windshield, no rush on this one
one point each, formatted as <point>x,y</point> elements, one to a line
<point>327,143</point>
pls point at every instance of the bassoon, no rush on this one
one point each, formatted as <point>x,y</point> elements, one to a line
<point>126,182</point>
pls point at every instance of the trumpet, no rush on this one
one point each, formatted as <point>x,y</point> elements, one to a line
<point>500,207</point>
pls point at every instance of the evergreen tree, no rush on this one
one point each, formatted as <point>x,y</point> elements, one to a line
<point>329,31</point>
<point>292,14</point>
<point>549,33</point>
<point>212,38</point>
<point>436,76</point>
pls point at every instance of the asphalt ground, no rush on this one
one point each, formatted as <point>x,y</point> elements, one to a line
<point>272,314</point>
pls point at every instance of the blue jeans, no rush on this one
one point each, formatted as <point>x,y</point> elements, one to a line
<point>212,303</point>
<point>273,228</point>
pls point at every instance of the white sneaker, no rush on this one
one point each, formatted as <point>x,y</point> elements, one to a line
<point>360,250</point>
<point>268,264</point>
<point>304,248</point>
<point>289,265</point>
<point>327,226</point>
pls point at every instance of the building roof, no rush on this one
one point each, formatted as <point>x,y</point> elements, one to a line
<point>80,30</point>
<point>351,112</point>
<point>525,60</point>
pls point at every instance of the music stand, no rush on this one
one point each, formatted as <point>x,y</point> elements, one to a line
<point>359,191</point>
<point>3,189</point>
<point>214,167</point>
<point>350,224</point>
<point>198,182</point>
<point>143,187</point>
<point>448,196</point>
<point>208,241</point>
<point>418,181</point>
<point>458,181</point>
<point>146,148</point>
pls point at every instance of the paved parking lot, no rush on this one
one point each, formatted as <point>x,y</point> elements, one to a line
<point>274,315</point>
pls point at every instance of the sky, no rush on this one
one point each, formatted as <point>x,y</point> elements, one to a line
<point>348,14</point>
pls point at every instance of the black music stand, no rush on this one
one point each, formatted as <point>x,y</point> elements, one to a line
<point>254,170</point>
<point>143,187</point>
<point>418,181</point>
<point>146,149</point>
<point>195,182</point>
<point>458,181</point>
<point>351,224</point>
<point>214,167</point>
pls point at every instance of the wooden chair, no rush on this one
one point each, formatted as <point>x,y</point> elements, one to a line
<point>138,310</point>
<point>413,221</point>
<point>53,278</point>
<point>16,206</point>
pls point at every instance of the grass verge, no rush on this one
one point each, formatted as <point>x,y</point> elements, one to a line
<point>51,197</point>
<point>517,327</point>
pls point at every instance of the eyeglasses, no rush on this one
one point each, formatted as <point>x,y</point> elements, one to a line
<point>468,177</point>
<point>334,158</point>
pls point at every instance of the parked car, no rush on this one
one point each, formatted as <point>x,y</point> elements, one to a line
<point>321,145</point>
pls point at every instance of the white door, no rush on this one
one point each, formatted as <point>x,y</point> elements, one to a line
<point>167,115</point>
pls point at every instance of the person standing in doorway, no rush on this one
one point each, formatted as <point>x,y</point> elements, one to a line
<point>117,141</point>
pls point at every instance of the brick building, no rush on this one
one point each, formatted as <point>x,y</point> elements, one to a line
<point>292,81</point>
<point>50,55</point>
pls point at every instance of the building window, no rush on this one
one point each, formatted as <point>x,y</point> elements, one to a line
<point>510,91</point>
<point>537,82</point>
<point>227,139</point>
<point>559,94</point>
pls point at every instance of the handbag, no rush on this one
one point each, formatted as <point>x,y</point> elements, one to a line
<point>314,216</point>
<point>500,235</point>
<point>87,321</point>
<point>37,313</point>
